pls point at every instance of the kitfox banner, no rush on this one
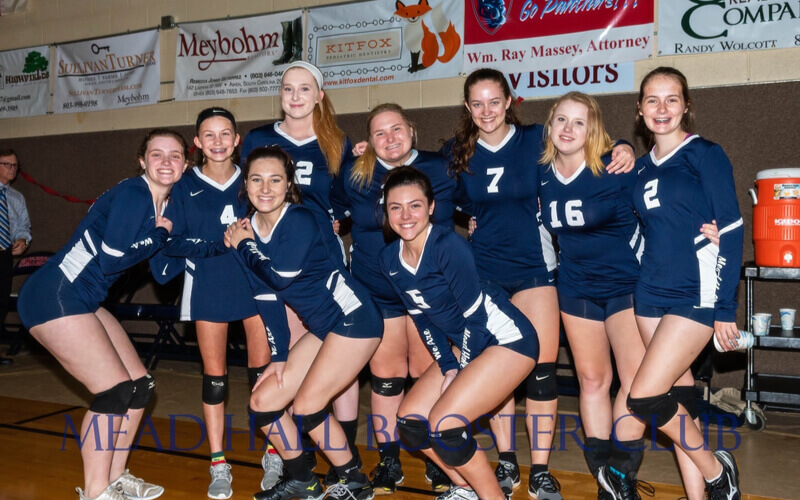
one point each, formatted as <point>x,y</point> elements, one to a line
<point>107,73</point>
<point>706,26</point>
<point>511,34</point>
<point>24,82</point>
<point>241,57</point>
<point>386,41</point>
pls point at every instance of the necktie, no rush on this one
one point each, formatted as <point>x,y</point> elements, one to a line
<point>5,232</point>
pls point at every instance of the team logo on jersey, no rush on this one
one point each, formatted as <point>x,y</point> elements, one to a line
<point>491,14</point>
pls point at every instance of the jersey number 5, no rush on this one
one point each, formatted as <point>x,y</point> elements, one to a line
<point>572,209</point>
<point>650,193</point>
<point>228,216</point>
<point>302,172</point>
<point>497,173</point>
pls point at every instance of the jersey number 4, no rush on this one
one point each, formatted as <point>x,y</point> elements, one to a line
<point>572,209</point>
<point>650,193</point>
<point>228,216</point>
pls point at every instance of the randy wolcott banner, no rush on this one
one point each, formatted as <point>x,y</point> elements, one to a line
<point>510,35</point>
<point>236,58</point>
<point>702,27</point>
<point>107,73</point>
<point>386,41</point>
<point>24,82</point>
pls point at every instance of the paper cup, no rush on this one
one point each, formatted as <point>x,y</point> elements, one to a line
<point>761,322</point>
<point>787,319</point>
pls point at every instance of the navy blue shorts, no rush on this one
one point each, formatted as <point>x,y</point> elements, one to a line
<point>509,288</point>
<point>594,309</point>
<point>702,315</point>
<point>47,295</point>
<point>389,304</point>
<point>363,322</point>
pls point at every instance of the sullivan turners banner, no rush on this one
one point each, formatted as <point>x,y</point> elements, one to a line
<point>107,73</point>
<point>545,34</point>
<point>386,41</point>
<point>24,82</point>
<point>703,27</point>
<point>241,57</point>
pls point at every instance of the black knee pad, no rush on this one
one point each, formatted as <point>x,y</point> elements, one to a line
<point>388,386</point>
<point>687,396</point>
<point>215,388</point>
<point>414,434</point>
<point>114,401</point>
<point>454,446</point>
<point>311,421</point>
<point>264,418</point>
<point>254,373</point>
<point>143,390</point>
<point>662,407</point>
<point>541,384</point>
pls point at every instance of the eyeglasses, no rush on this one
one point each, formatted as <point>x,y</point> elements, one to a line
<point>9,165</point>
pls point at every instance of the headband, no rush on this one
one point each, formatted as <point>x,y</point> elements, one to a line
<point>315,72</point>
<point>210,112</point>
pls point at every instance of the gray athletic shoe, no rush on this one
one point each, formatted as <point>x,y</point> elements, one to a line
<point>134,488</point>
<point>110,493</point>
<point>273,468</point>
<point>221,480</point>
<point>507,475</point>
<point>458,493</point>
<point>543,486</point>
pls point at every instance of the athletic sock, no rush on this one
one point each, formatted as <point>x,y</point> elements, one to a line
<point>297,468</point>
<point>351,471</point>
<point>389,449</point>
<point>350,428</point>
<point>626,456</point>
<point>538,469</point>
<point>217,458</point>
<point>508,456</point>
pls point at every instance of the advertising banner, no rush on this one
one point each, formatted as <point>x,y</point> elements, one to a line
<point>236,58</point>
<point>24,82</point>
<point>597,79</point>
<point>12,6</point>
<point>386,41</point>
<point>107,73</point>
<point>703,27</point>
<point>512,34</point>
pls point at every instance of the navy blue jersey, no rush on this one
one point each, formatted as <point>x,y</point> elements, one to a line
<point>443,295</point>
<point>311,173</point>
<point>118,231</point>
<point>214,286</point>
<point>675,196</point>
<point>292,261</point>
<point>501,190</point>
<point>365,205</point>
<point>599,238</point>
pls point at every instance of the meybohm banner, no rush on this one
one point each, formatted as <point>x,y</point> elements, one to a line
<point>24,82</point>
<point>386,41</point>
<point>709,26</point>
<point>242,57</point>
<point>107,73</point>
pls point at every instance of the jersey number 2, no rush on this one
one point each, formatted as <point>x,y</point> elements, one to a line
<point>650,193</point>
<point>302,172</point>
<point>497,173</point>
<point>227,217</point>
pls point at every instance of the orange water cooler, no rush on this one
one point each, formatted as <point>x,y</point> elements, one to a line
<point>776,217</point>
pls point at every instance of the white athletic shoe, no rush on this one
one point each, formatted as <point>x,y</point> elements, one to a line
<point>273,468</point>
<point>458,493</point>
<point>221,480</point>
<point>110,493</point>
<point>134,488</point>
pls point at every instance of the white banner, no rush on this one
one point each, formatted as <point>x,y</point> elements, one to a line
<point>703,27</point>
<point>598,79</point>
<point>236,58</point>
<point>24,82</point>
<point>107,73</point>
<point>384,41</point>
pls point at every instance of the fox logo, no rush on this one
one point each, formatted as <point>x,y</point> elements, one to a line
<point>441,44</point>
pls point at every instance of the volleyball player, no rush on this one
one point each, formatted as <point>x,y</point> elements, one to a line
<point>283,246</point>
<point>391,144</point>
<point>60,306</point>
<point>471,331</point>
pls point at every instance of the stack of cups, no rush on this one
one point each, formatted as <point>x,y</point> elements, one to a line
<point>787,319</point>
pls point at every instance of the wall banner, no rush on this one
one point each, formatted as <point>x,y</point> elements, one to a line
<point>24,82</point>
<point>512,34</point>
<point>386,41</point>
<point>597,79</point>
<point>107,73</point>
<point>703,27</point>
<point>236,58</point>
